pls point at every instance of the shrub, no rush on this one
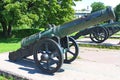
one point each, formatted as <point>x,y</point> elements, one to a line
<point>24,32</point>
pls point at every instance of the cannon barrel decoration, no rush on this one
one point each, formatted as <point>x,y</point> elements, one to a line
<point>48,47</point>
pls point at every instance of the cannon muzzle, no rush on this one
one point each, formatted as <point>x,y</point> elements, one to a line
<point>73,26</point>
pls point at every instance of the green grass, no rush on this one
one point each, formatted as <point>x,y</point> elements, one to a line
<point>13,43</point>
<point>2,78</point>
<point>7,47</point>
<point>9,44</point>
<point>6,78</point>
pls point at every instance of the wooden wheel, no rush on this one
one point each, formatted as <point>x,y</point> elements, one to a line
<point>72,51</point>
<point>99,35</point>
<point>48,55</point>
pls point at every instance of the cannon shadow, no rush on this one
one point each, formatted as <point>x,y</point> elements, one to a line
<point>29,65</point>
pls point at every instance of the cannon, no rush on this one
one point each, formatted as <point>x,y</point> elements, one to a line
<point>52,47</point>
<point>97,34</point>
<point>87,31</point>
<point>103,32</point>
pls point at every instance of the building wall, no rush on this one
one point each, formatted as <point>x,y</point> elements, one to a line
<point>79,14</point>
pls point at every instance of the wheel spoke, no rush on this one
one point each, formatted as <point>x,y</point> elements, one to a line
<point>43,64</point>
<point>48,64</point>
<point>71,52</point>
<point>101,37</point>
<point>71,45</point>
<point>53,61</point>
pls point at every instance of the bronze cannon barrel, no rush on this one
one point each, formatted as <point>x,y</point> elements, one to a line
<point>72,26</point>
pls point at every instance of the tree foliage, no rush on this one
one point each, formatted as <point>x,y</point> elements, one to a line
<point>97,6</point>
<point>10,13</point>
<point>34,13</point>
<point>117,12</point>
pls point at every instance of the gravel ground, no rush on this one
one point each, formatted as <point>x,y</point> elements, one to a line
<point>95,64</point>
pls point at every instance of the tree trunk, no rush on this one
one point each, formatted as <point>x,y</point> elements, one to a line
<point>9,30</point>
<point>5,34</point>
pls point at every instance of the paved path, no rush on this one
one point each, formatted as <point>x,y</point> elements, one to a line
<point>95,64</point>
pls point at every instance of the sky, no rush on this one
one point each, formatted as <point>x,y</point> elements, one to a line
<point>84,3</point>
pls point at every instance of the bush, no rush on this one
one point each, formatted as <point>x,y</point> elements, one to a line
<point>21,33</point>
<point>24,32</point>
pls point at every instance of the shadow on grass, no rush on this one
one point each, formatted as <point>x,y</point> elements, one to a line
<point>8,40</point>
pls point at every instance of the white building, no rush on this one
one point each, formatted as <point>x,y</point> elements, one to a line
<point>83,12</point>
<point>79,13</point>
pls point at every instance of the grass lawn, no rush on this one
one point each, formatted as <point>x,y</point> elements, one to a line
<point>6,78</point>
<point>13,43</point>
<point>5,47</point>
<point>9,44</point>
<point>3,78</point>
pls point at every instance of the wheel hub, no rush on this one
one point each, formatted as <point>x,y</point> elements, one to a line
<point>44,57</point>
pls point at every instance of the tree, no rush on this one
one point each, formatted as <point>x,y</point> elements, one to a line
<point>11,11</point>
<point>34,13</point>
<point>97,6</point>
<point>51,11</point>
<point>117,12</point>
